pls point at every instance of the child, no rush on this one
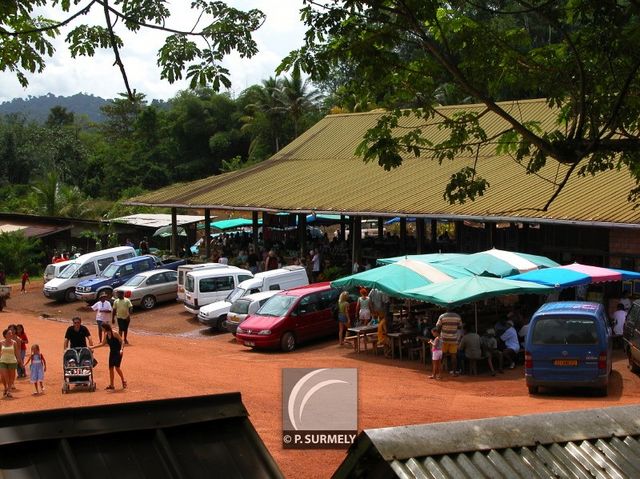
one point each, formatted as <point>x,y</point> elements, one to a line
<point>25,280</point>
<point>436,354</point>
<point>38,367</point>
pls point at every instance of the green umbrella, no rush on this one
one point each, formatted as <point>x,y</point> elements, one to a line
<point>423,258</point>
<point>473,288</point>
<point>499,263</point>
<point>396,278</point>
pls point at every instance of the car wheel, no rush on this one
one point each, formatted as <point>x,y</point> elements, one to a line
<point>602,392</point>
<point>533,389</point>
<point>288,342</point>
<point>220,323</point>
<point>632,365</point>
<point>70,295</point>
<point>148,302</point>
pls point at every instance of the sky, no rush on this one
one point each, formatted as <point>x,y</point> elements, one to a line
<point>64,76</point>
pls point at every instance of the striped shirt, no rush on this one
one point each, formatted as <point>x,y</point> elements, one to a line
<point>449,323</point>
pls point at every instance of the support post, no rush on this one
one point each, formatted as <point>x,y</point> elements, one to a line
<point>380,227</point>
<point>403,234</point>
<point>302,234</point>
<point>254,227</point>
<point>207,233</point>
<point>434,236</point>
<point>356,235</point>
<point>343,227</point>
<point>174,231</point>
<point>420,229</point>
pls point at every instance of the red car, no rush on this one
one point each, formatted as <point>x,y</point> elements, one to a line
<point>292,317</point>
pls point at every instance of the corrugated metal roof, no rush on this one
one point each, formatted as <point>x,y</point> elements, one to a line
<point>196,437</point>
<point>319,172</point>
<point>156,220</point>
<point>594,443</point>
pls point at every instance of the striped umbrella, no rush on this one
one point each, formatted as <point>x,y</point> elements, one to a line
<point>499,263</point>
<point>575,274</point>
<point>396,278</point>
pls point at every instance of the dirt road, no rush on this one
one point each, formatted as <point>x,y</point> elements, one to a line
<point>171,356</point>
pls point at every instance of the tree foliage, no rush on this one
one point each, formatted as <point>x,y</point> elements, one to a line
<point>26,36</point>
<point>581,55</point>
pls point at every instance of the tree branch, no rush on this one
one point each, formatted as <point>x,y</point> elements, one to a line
<point>82,11</point>
<point>560,186</point>
<point>116,51</point>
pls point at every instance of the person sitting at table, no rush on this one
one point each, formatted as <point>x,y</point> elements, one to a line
<point>512,345</point>
<point>344,321</point>
<point>383,339</point>
<point>470,346</point>
<point>363,309</point>
<point>490,350</point>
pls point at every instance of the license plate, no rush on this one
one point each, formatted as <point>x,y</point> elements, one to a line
<point>249,343</point>
<point>565,362</point>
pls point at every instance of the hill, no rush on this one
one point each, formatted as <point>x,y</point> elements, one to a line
<point>81,104</point>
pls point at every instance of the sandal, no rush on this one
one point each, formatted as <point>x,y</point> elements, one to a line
<point>124,384</point>
<point>109,387</point>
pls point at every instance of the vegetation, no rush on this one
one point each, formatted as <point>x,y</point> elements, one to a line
<point>20,254</point>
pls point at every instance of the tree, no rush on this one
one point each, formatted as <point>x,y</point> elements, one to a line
<point>581,55</point>
<point>59,117</point>
<point>297,99</point>
<point>26,35</point>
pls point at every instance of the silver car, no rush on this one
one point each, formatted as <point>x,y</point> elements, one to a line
<point>245,306</point>
<point>151,287</point>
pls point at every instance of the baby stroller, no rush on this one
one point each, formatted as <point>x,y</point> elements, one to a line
<point>77,367</point>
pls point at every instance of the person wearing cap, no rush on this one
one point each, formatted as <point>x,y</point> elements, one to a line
<point>511,343</point>
<point>490,350</point>
<point>103,310</point>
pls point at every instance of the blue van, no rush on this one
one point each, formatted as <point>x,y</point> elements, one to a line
<point>569,344</point>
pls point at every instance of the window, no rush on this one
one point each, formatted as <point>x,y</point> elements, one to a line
<point>87,269</point>
<point>219,283</point>
<point>243,277</point>
<point>171,276</point>
<point>329,299</point>
<point>309,303</point>
<point>189,284</point>
<point>144,266</point>
<point>104,262</point>
<point>126,269</point>
<point>155,279</point>
<point>565,330</point>
<point>274,287</point>
<point>124,256</point>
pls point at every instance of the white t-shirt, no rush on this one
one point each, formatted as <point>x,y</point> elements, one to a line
<point>103,311</point>
<point>316,263</point>
<point>510,338</point>
<point>619,317</point>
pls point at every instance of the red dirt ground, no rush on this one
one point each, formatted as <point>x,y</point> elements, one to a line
<point>172,356</point>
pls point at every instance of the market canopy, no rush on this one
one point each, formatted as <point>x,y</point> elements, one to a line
<point>575,274</point>
<point>224,225</point>
<point>423,258</point>
<point>396,278</point>
<point>473,288</point>
<point>499,263</point>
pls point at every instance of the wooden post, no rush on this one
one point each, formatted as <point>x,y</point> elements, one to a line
<point>343,227</point>
<point>356,235</point>
<point>420,228</point>
<point>434,236</point>
<point>380,227</point>
<point>254,227</point>
<point>302,234</point>
<point>403,234</point>
<point>174,231</point>
<point>207,233</point>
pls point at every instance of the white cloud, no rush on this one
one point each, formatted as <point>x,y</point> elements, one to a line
<point>281,32</point>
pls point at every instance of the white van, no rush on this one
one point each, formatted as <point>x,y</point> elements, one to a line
<point>187,268</point>
<point>53,270</point>
<point>214,314</point>
<point>205,286</point>
<point>87,266</point>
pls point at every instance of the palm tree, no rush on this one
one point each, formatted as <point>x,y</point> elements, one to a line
<point>264,101</point>
<point>296,98</point>
<point>46,191</point>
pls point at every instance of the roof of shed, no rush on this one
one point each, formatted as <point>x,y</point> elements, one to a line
<point>590,443</point>
<point>319,172</point>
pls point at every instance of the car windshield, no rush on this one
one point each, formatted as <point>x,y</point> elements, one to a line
<point>240,307</point>
<point>565,330</point>
<point>136,280</point>
<point>237,293</point>
<point>109,271</point>
<point>70,271</point>
<point>277,305</point>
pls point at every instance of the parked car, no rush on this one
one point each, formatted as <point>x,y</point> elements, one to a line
<point>292,317</point>
<point>205,286</point>
<point>631,337</point>
<point>151,287</point>
<point>53,270</point>
<point>186,268</point>
<point>569,344</point>
<point>245,306</point>
<point>84,267</point>
<point>118,273</point>
<point>214,314</point>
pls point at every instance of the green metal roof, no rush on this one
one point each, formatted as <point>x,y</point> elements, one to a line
<point>319,172</point>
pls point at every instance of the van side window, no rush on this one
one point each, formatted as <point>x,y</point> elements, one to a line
<point>104,262</point>
<point>274,287</point>
<point>144,266</point>
<point>220,283</point>
<point>329,299</point>
<point>126,269</point>
<point>124,256</point>
<point>243,277</point>
<point>309,304</point>
<point>87,270</point>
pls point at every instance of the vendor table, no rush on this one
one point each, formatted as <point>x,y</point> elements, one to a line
<point>399,337</point>
<point>361,332</point>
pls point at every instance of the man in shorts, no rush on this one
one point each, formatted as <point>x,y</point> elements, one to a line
<point>449,324</point>
<point>122,309</point>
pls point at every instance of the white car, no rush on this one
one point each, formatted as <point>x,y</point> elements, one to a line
<point>245,306</point>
